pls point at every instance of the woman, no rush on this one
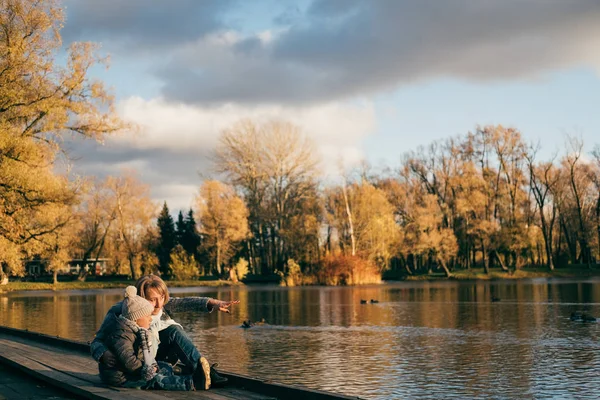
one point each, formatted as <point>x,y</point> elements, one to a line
<point>173,343</point>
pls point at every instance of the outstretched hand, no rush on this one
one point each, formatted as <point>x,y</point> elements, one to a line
<point>221,305</point>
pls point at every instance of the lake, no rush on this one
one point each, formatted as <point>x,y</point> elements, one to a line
<point>422,340</point>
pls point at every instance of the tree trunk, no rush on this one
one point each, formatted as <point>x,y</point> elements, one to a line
<point>406,266</point>
<point>486,266</point>
<point>55,276</point>
<point>504,268</point>
<point>132,267</point>
<point>549,255</point>
<point>443,264</point>
<point>3,276</point>
<point>571,245</point>
<point>350,224</point>
<point>598,222</point>
<point>218,260</point>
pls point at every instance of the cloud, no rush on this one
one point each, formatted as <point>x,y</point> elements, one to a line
<point>172,148</point>
<point>335,50</point>
<point>343,49</point>
<point>135,25</point>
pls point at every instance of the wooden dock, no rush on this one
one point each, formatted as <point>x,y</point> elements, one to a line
<point>67,365</point>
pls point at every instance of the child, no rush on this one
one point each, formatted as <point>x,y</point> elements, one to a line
<point>135,346</point>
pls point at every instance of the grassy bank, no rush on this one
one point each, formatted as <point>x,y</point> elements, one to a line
<point>471,274</point>
<point>76,285</point>
<point>525,273</point>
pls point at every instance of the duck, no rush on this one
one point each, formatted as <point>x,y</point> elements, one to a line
<point>363,301</point>
<point>247,324</point>
<point>582,317</point>
<point>374,301</point>
<point>495,299</point>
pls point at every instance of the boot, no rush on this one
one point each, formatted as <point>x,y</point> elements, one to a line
<point>216,379</point>
<point>202,374</point>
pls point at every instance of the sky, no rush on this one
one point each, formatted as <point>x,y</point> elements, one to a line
<point>366,79</point>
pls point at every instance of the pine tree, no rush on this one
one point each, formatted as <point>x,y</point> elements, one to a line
<point>167,239</point>
<point>191,237</point>
<point>180,224</point>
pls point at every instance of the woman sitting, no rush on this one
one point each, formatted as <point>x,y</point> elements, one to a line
<point>173,343</point>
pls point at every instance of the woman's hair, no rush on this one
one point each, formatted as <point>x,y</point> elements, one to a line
<point>152,282</point>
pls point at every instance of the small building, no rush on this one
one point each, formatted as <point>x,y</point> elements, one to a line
<point>72,267</point>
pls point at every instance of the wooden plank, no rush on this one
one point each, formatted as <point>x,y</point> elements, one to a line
<point>81,378</point>
<point>89,387</point>
<point>237,393</point>
<point>74,366</point>
<point>280,390</point>
<point>67,364</point>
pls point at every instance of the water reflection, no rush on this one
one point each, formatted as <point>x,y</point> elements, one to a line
<point>422,340</point>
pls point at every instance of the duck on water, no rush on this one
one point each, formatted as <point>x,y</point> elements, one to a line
<point>580,316</point>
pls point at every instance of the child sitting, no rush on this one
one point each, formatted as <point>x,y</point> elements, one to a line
<point>135,346</point>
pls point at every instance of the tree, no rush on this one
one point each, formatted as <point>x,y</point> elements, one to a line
<point>190,239</point>
<point>543,178</point>
<point>40,101</point>
<point>274,166</point>
<point>183,265</point>
<point>180,228</point>
<point>579,182</point>
<point>96,216</point>
<point>373,234</point>
<point>595,176</point>
<point>55,247</point>
<point>166,239</point>
<point>134,214</point>
<point>223,221</point>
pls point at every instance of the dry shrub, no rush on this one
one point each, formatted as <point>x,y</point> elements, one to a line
<point>347,270</point>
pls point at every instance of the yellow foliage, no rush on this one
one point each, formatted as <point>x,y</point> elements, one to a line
<point>223,221</point>
<point>183,266</point>
<point>40,101</point>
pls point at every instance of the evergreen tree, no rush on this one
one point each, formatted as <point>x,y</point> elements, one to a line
<point>180,224</point>
<point>167,239</point>
<point>191,237</point>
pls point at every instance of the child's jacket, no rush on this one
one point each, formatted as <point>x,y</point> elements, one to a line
<point>125,343</point>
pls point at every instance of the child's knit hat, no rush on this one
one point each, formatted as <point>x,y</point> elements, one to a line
<point>135,307</point>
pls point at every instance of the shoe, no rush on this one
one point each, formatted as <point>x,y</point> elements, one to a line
<point>202,374</point>
<point>216,379</point>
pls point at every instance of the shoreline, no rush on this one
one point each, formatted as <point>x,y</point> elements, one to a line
<point>12,287</point>
<point>476,274</point>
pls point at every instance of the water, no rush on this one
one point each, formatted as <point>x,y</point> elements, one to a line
<point>422,340</point>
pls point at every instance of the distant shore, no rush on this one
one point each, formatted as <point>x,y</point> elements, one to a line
<point>498,274</point>
<point>76,285</point>
<point>474,274</point>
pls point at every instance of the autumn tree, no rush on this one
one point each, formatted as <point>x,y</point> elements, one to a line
<point>223,222</point>
<point>543,178</point>
<point>95,218</point>
<point>134,214</point>
<point>577,176</point>
<point>40,101</point>
<point>55,247</point>
<point>274,166</point>
<point>376,235</point>
<point>595,177</point>
<point>183,264</point>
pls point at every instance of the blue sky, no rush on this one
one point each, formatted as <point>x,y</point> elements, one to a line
<point>544,110</point>
<point>367,79</point>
